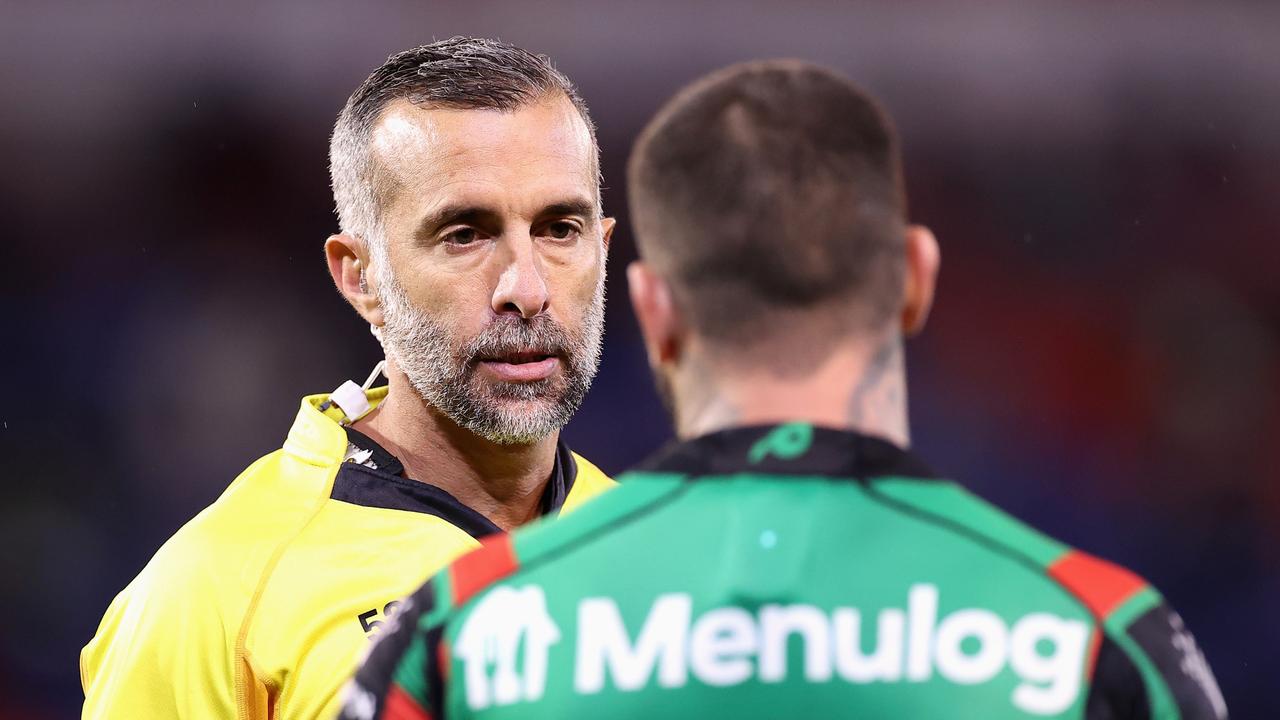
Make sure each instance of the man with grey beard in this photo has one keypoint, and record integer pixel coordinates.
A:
(472, 239)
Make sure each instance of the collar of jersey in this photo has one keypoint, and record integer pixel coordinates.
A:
(788, 449)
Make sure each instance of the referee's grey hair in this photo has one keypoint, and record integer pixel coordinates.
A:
(461, 73)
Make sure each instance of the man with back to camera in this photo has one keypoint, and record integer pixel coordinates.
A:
(466, 178)
(789, 557)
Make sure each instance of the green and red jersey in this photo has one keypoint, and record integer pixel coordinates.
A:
(776, 572)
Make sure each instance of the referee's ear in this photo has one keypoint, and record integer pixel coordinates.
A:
(349, 267)
(660, 322)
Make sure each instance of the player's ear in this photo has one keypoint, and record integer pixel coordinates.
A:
(349, 267)
(660, 323)
(923, 259)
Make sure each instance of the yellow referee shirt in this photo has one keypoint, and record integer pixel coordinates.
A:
(262, 604)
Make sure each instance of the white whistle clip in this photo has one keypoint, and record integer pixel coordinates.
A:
(351, 399)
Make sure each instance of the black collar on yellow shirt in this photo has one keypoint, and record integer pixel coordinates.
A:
(373, 477)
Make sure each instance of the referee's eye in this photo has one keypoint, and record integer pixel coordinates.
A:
(462, 236)
(562, 230)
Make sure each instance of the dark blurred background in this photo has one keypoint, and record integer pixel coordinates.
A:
(1104, 359)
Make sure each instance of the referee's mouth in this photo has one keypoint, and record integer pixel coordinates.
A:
(521, 366)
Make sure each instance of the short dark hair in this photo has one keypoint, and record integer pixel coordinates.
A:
(462, 73)
(771, 186)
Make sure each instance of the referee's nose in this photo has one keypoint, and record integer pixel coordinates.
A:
(521, 287)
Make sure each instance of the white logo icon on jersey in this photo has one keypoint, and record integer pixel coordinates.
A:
(503, 647)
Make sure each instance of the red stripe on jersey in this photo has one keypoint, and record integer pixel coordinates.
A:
(402, 706)
(1095, 645)
(1100, 585)
(494, 559)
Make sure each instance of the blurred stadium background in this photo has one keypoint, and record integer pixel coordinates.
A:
(1104, 359)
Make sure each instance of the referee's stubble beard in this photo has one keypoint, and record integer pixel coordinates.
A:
(444, 366)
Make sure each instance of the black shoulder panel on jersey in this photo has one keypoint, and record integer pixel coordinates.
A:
(1165, 639)
(1117, 691)
(366, 696)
